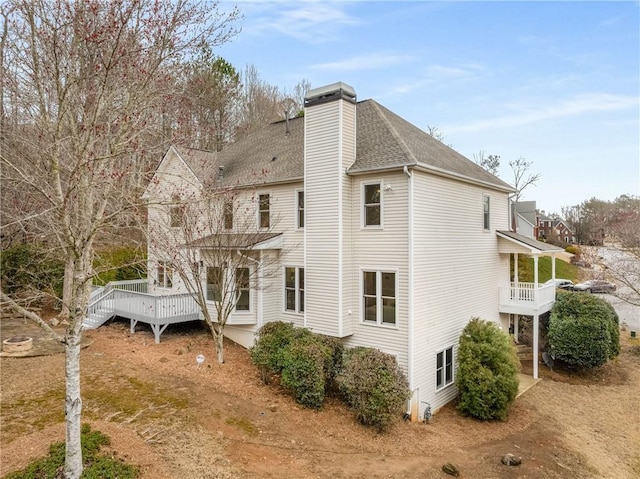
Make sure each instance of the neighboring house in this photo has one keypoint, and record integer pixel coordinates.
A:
(553, 227)
(376, 233)
(526, 218)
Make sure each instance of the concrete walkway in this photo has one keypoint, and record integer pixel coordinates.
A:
(526, 383)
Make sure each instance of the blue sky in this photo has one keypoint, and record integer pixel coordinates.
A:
(557, 83)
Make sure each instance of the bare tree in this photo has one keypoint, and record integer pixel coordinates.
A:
(490, 163)
(212, 241)
(522, 179)
(261, 103)
(85, 81)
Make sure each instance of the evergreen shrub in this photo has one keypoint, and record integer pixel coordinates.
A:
(487, 376)
(372, 383)
(583, 331)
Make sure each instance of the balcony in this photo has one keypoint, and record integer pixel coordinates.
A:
(527, 298)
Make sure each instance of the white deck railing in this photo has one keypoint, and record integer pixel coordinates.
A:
(527, 297)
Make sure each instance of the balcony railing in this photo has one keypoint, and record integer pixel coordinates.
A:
(527, 298)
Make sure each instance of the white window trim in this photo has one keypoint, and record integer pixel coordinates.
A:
(488, 227)
(297, 311)
(250, 289)
(297, 209)
(379, 323)
(166, 265)
(363, 224)
(453, 367)
(258, 210)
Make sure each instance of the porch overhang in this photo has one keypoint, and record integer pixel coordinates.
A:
(239, 241)
(510, 242)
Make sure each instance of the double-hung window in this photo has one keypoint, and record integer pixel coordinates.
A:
(300, 209)
(215, 280)
(165, 274)
(379, 297)
(243, 298)
(228, 214)
(176, 216)
(294, 289)
(263, 210)
(486, 209)
(372, 204)
(444, 368)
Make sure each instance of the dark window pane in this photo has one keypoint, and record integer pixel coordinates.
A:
(389, 311)
(372, 215)
(301, 301)
(370, 283)
(439, 360)
(370, 309)
(301, 278)
(290, 277)
(372, 194)
(439, 378)
(291, 300)
(389, 284)
(243, 301)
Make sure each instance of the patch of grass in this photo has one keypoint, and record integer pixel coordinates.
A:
(243, 424)
(563, 270)
(23, 415)
(96, 466)
(127, 396)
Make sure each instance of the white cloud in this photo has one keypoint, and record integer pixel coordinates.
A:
(526, 114)
(441, 74)
(308, 21)
(372, 61)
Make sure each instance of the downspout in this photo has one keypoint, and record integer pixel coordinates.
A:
(259, 285)
(415, 404)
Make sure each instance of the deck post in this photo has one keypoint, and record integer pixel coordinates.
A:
(536, 322)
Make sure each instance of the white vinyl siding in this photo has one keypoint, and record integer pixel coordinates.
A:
(457, 270)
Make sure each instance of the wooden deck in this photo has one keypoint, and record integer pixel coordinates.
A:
(129, 299)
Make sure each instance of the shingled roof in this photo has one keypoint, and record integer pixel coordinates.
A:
(384, 141)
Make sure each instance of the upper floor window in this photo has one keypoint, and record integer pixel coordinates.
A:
(379, 297)
(486, 209)
(294, 289)
(300, 209)
(165, 274)
(228, 214)
(243, 298)
(176, 216)
(372, 201)
(444, 368)
(214, 283)
(263, 210)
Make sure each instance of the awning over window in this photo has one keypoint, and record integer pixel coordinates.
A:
(235, 241)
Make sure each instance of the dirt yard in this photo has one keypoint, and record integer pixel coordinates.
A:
(180, 420)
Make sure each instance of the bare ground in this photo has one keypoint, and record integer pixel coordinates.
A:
(179, 420)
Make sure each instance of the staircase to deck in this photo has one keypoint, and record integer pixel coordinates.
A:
(524, 352)
(101, 302)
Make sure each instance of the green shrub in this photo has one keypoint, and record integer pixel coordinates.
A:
(583, 331)
(374, 386)
(31, 266)
(573, 249)
(96, 466)
(334, 365)
(271, 342)
(119, 264)
(306, 360)
(488, 367)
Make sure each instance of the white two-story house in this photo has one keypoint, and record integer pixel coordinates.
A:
(375, 233)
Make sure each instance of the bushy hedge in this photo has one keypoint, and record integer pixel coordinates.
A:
(268, 351)
(118, 264)
(573, 249)
(583, 331)
(488, 368)
(305, 364)
(31, 266)
(374, 386)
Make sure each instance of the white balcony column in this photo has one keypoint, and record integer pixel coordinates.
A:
(535, 345)
(535, 279)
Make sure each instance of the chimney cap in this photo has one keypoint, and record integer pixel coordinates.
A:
(335, 91)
